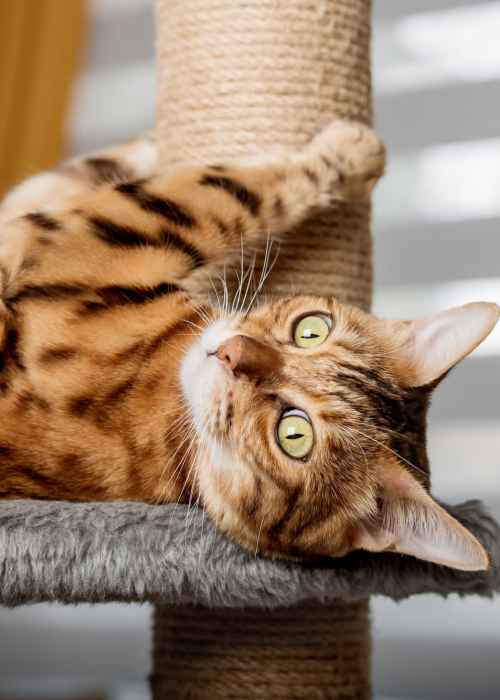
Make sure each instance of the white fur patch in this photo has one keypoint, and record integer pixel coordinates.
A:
(201, 372)
(143, 158)
(44, 192)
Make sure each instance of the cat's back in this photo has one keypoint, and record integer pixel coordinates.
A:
(90, 330)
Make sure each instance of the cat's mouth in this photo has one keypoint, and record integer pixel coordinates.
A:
(205, 384)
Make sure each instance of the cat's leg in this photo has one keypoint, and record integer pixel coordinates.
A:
(235, 205)
(28, 210)
(167, 227)
(133, 160)
(50, 191)
(198, 216)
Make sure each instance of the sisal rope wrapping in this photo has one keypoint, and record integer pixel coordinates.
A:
(236, 78)
(243, 77)
(308, 652)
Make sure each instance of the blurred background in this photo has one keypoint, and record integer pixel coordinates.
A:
(437, 244)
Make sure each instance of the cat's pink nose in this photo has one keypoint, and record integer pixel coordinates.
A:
(244, 355)
(231, 352)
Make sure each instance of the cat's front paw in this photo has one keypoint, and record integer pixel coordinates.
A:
(352, 159)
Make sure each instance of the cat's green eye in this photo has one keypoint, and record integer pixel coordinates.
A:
(312, 330)
(295, 433)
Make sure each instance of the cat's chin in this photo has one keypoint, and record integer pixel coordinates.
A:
(201, 372)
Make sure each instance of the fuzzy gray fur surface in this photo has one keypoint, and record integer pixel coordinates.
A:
(52, 551)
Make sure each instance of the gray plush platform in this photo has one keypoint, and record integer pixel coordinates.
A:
(132, 552)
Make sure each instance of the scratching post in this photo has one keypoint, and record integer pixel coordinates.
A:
(246, 76)
(235, 78)
(309, 651)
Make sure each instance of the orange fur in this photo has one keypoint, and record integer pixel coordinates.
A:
(112, 378)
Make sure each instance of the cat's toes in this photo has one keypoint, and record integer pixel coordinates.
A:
(355, 153)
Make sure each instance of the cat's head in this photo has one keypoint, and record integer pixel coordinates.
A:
(311, 419)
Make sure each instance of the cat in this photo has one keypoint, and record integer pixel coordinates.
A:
(297, 424)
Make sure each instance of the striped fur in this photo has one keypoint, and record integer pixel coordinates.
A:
(99, 265)
(362, 414)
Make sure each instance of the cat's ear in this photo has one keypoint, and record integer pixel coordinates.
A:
(409, 521)
(430, 346)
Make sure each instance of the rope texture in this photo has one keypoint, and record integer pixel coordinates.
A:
(238, 78)
(308, 652)
(247, 76)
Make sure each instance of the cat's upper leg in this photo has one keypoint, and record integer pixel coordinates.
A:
(46, 191)
(14, 241)
(136, 159)
(51, 191)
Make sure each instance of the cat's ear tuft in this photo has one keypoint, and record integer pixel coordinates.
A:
(409, 521)
(430, 346)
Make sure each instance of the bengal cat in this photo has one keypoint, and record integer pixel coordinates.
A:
(299, 425)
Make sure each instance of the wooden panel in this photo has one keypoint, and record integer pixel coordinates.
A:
(40, 50)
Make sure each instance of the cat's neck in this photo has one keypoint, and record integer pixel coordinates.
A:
(173, 476)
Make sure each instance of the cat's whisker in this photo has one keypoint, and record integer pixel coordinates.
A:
(267, 268)
(265, 262)
(217, 301)
(225, 291)
(195, 325)
(190, 434)
(178, 468)
(200, 555)
(183, 416)
(389, 449)
(222, 305)
(258, 536)
(198, 445)
(181, 494)
(193, 509)
(249, 278)
(189, 335)
(245, 271)
(240, 278)
(179, 430)
(191, 437)
(229, 292)
(357, 444)
(188, 514)
(208, 318)
(195, 469)
(237, 292)
(195, 466)
(252, 284)
(246, 280)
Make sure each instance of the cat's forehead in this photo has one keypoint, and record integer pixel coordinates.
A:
(353, 362)
(283, 311)
(327, 380)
